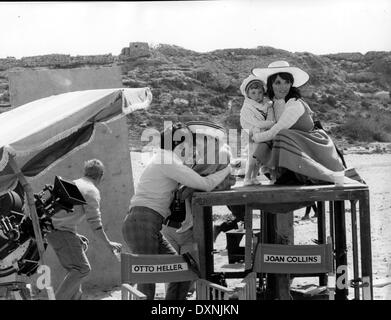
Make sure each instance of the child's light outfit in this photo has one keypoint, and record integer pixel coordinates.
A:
(253, 117)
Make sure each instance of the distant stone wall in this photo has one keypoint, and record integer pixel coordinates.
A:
(136, 50)
(56, 81)
(44, 62)
(56, 61)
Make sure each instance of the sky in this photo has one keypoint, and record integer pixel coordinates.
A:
(84, 28)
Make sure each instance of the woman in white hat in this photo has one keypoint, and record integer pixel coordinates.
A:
(253, 118)
(293, 150)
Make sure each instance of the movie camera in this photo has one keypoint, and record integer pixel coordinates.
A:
(18, 248)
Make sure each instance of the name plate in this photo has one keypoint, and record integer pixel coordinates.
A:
(302, 259)
(157, 268)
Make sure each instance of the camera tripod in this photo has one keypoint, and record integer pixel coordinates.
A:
(15, 287)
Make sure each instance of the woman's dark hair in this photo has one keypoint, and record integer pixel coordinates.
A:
(168, 139)
(293, 91)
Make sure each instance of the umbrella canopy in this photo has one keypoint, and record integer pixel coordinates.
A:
(40, 133)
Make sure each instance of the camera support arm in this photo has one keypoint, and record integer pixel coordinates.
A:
(31, 206)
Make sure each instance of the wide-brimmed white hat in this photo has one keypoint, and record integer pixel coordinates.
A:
(300, 77)
(208, 128)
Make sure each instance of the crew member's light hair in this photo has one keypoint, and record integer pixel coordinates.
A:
(93, 169)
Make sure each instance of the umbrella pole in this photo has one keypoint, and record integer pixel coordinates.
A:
(31, 206)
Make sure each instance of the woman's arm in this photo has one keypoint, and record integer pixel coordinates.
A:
(188, 177)
(294, 110)
(266, 124)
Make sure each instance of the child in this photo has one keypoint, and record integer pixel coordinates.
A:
(253, 118)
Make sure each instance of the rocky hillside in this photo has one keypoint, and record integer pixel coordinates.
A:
(349, 92)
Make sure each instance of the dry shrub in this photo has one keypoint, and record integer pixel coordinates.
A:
(375, 128)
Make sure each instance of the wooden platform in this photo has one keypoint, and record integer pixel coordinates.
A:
(276, 202)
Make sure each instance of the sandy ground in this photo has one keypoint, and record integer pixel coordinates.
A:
(376, 171)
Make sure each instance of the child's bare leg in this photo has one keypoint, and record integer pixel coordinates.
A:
(254, 173)
(250, 168)
(257, 166)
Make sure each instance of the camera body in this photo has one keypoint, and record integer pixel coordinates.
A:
(18, 248)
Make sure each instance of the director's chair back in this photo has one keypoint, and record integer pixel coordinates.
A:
(163, 268)
(291, 259)
(247, 288)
